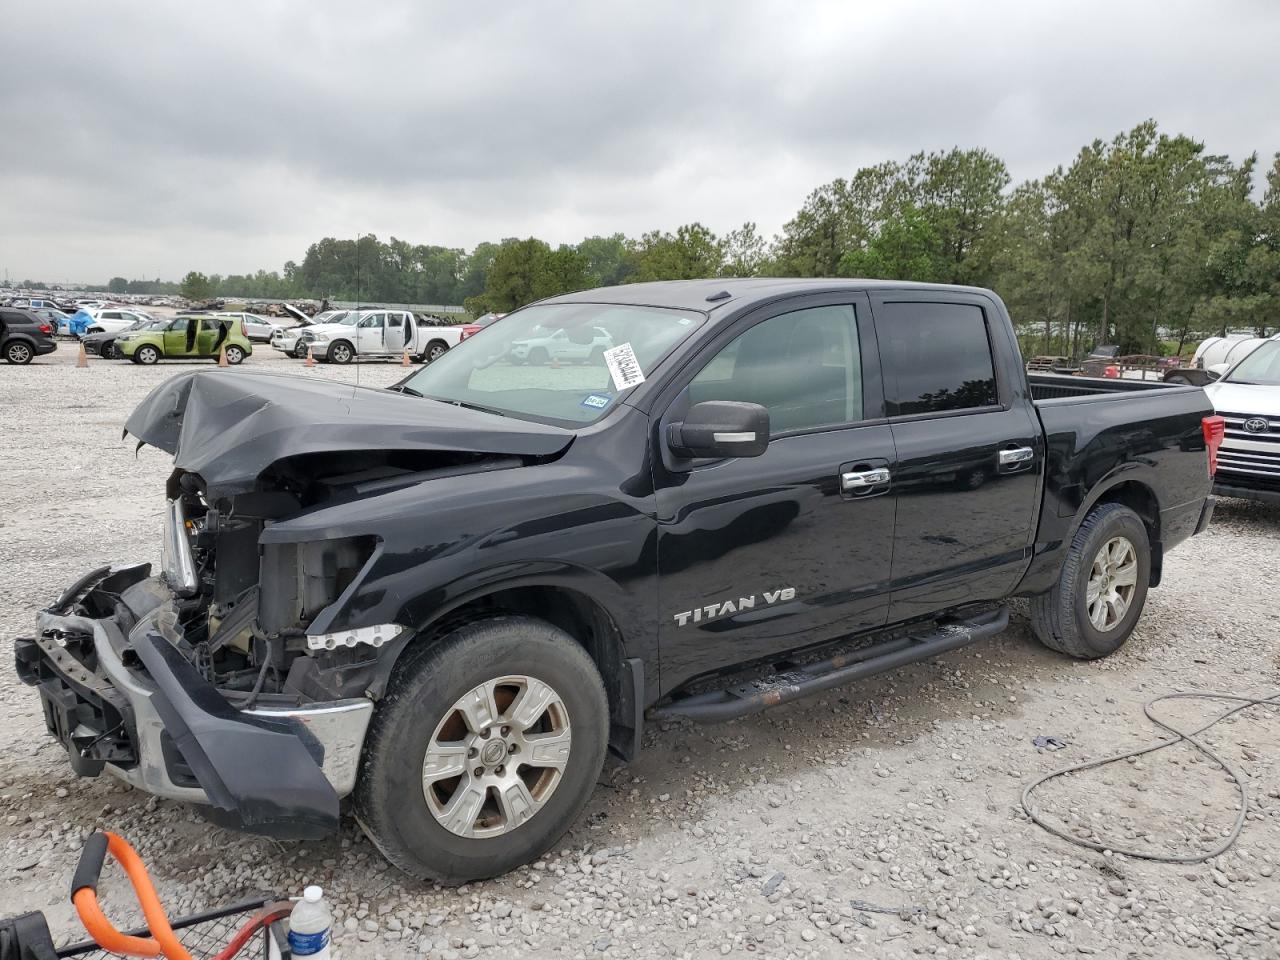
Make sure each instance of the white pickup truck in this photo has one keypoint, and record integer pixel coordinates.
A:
(377, 335)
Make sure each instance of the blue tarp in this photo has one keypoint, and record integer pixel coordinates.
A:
(77, 323)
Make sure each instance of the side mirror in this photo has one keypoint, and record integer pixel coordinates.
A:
(719, 429)
(1216, 370)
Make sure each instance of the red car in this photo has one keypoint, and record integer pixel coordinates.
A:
(471, 329)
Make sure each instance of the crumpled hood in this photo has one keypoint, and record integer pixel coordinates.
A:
(229, 427)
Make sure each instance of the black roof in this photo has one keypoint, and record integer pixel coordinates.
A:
(701, 295)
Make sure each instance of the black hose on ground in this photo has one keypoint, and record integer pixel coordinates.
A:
(1179, 736)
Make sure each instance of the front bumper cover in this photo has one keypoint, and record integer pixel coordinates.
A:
(278, 771)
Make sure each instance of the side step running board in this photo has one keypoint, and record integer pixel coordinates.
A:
(757, 695)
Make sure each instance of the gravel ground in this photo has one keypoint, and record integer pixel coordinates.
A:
(881, 820)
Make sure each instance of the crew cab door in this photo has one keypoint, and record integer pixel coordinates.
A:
(970, 451)
(762, 555)
(397, 330)
(369, 333)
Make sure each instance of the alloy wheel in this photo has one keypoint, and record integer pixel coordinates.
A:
(496, 757)
(1113, 578)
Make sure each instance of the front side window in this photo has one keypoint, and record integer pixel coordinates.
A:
(373, 322)
(804, 366)
(936, 356)
(566, 363)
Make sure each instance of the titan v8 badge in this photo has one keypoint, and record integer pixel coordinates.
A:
(713, 611)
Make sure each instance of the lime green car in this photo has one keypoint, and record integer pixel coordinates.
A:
(186, 336)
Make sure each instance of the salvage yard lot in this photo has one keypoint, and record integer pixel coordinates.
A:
(880, 819)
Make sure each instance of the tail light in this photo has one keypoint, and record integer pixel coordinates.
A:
(1215, 428)
(46, 328)
(1112, 371)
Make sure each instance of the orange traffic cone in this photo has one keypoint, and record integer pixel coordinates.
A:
(222, 356)
(311, 357)
(83, 359)
(404, 357)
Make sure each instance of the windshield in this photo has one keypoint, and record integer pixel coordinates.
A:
(560, 362)
(1261, 366)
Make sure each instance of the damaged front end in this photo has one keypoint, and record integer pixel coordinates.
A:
(244, 674)
(124, 689)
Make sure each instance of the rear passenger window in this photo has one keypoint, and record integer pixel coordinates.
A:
(936, 356)
(805, 367)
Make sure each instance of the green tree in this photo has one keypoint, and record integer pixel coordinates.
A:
(690, 253)
(744, 252)
(908, 247)
(118, 285)
(609, 260)
(196, 286)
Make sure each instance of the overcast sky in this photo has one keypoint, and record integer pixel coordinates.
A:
(145, 139)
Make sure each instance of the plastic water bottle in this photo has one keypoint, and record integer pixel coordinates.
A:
(309, 925)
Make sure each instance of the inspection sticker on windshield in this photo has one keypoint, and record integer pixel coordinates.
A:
(597, 401)
(623, 366)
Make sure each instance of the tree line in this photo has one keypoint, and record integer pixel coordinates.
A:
(1146, 240)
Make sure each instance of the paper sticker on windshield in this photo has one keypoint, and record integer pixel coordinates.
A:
(597, 401)
(623, 366)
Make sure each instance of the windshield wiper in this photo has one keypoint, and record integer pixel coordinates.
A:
(469, 406)
(401, 388)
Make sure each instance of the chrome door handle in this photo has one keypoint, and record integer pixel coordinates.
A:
(1008, 458)
(864, 479)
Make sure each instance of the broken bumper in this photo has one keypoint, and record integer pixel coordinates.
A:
(134, 706)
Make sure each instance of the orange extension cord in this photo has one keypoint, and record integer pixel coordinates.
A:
(163, 941)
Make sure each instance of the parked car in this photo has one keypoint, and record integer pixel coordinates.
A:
(257, 328)
(377, 335)
(55, 317)
(479, 323)
(285, 338)
(115, 319)
(1247, 397)
(24, 336)
(765, 489)
(103, 343)
(186, 337)
(561, 346)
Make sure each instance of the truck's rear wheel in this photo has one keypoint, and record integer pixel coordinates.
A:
(1099, 596)
(484, 751)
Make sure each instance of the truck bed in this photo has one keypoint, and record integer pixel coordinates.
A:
(1056, 386)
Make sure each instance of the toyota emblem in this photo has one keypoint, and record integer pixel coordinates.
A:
(1257, 425)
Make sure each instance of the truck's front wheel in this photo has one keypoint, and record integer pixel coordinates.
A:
(484, 751)
(1099, 596)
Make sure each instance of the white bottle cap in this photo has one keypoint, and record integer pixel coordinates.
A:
(312, 894)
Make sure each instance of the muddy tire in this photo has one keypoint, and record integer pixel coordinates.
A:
(146, 355)
(340, 352)
(484, 751)
(1099, 596)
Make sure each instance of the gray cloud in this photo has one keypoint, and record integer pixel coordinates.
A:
(144, 139)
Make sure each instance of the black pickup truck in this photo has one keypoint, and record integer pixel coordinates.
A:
(449, 598)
